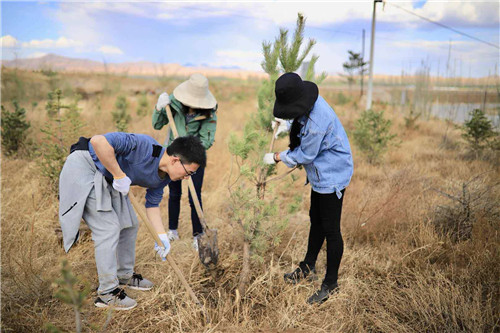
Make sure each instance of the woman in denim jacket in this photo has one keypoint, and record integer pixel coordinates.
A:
(319, 143)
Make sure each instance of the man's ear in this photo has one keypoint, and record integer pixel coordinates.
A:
(173, 159)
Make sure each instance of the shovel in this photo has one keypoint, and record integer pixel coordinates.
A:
(207, 241)
(170, 260)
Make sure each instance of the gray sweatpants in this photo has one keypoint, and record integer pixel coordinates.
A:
(109, 214)
(114, 245)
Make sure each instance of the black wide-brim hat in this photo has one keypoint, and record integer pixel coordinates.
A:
(294, 97)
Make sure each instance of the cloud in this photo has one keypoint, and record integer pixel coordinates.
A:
(37, 55)
(9, 42)
(241, 58)
(60, 43)
(460, 14)
(108, 49)
(79, 21)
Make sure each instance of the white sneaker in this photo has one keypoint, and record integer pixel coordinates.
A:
(172, 235)
(195, 242)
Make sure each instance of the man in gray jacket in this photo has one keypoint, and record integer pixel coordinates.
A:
(94, 185)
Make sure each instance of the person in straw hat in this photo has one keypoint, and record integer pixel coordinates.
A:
(194, 111)
(318, 142)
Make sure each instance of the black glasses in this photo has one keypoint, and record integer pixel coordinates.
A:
(188, 173)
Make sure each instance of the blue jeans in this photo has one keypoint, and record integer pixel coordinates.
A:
(174, 202)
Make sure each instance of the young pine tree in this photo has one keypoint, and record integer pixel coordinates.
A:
(258, 218)
(355, 66)
(478, 131)
(61, 130)
(121, 117)
(143, 105)
(14, 129)
(69, 291)
(372, 134)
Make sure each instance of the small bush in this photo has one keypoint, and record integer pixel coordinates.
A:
(14, 129)
(143, 105)
(342, 99)
(69, 291)
(478, 131)
(411, 119)
(372, 134)
(120, 115)
(477, 199)
(60, 132)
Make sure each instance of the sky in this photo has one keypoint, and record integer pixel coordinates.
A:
(230, 34)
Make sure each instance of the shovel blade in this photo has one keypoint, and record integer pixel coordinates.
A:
(207, 248)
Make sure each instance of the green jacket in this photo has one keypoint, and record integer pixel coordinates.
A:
(199, 126)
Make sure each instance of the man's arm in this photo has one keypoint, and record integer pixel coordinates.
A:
(106, 154)
(154, 216)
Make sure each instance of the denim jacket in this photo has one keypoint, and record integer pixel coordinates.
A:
(324, 150)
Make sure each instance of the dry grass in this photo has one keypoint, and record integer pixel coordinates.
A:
(398, 273)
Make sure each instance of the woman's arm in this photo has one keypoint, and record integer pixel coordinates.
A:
(309, 148)
(207, 130)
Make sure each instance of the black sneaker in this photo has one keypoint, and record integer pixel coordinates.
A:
(322, 295)
(299, 274)
(117, 299)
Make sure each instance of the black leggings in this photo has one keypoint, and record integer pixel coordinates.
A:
(174, 202)
(325, 213)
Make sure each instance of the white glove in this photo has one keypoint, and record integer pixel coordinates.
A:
(122, 185)
(269, 158)
(282, 126)
(163, 101)
(164, 249)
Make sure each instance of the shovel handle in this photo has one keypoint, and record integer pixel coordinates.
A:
(196, 201)
(157, 239)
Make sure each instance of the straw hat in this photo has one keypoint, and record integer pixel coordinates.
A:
(194, 93)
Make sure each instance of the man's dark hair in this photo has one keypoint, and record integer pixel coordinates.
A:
(189, 149)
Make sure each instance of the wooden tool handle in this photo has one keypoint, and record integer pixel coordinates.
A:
(196, 200)
(139, 209)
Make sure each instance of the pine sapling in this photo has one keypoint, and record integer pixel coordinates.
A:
(14, 129)
(257, 216)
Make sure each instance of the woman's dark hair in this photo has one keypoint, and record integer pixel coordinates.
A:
(295, 130)
(203, 112)
(189, 149)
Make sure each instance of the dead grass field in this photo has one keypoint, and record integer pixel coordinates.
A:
(398, 273)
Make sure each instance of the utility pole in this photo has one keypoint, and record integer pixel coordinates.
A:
(362, 59)
(372, 47)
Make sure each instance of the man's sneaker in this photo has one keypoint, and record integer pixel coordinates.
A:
(299, 274)
(172, 235)
(322, 295)
(117, 299)
(137, 282)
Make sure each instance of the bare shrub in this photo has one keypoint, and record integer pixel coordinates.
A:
(476, 199)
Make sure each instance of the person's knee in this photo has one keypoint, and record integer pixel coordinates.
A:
(334, 235)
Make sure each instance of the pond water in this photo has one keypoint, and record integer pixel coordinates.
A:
(459, 112)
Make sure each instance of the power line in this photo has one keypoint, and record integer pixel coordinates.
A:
(442, 25)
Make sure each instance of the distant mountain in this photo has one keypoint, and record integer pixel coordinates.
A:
(65, 64)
